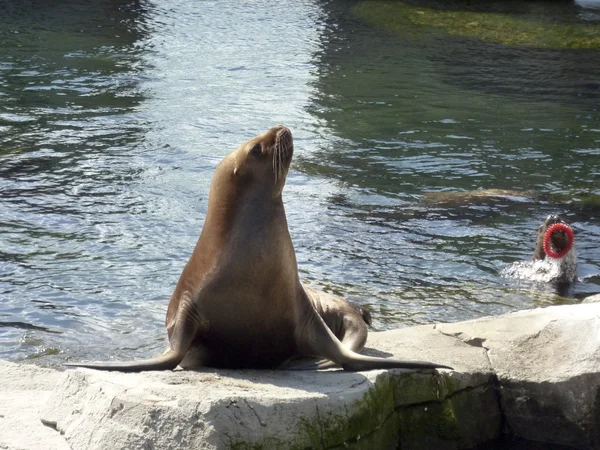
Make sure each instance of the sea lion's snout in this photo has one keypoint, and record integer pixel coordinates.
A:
(284, 141)
(555, 238)
(553, 219)
(283, 151)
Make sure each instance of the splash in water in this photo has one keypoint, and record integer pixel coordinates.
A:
(554, 257)
(542, 270)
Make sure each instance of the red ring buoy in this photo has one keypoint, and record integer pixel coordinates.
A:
(570, 236)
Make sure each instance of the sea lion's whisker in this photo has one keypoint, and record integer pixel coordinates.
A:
(275, 163)
(276, 156)
(281, 162)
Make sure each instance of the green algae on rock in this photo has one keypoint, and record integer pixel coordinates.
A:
(492, 27)
(411, 408)
(359, 422)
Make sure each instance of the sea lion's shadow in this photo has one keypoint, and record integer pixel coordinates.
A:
(255, 381)
(374, 352)
(327, 382)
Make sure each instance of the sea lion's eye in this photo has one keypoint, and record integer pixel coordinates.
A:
(256, 150)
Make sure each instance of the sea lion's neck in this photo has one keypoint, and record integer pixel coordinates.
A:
(248, 235)
(248, 221)
(239, 215)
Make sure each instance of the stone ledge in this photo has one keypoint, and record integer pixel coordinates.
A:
(24, 389)
(533, 374)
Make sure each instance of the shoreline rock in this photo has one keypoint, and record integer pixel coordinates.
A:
(532, 374)
(24, 390)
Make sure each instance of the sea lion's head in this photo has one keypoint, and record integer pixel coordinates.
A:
(263, 161)
(555, 238)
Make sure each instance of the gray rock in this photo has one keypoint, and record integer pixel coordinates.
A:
(548, 366)
(24, 389)
(592, 299)
(282, 409)
(533, 374)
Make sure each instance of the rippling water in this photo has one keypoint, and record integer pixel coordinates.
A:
(113, 116)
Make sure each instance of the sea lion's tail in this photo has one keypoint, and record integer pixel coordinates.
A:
(167, 361)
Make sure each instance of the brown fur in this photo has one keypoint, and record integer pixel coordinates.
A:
(239, 302)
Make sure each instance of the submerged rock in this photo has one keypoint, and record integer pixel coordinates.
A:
(486, 26)
(475, 197)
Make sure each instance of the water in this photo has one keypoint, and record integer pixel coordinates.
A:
(545, 270)
(113, 116)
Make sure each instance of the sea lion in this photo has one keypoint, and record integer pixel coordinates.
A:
(347, 321)
(554, 258)
(239, 302)
(556, 240)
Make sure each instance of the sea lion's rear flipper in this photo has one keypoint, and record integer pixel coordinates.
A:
(314, 338)
(347, 321)
(184, 332)
(364, 312)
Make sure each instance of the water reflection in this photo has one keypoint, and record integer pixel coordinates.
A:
(419, 110)
(406, 115)
(114, 115)
(69, 84)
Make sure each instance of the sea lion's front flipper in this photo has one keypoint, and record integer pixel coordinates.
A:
(184, 332)
(314, 338)
(167, 361)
